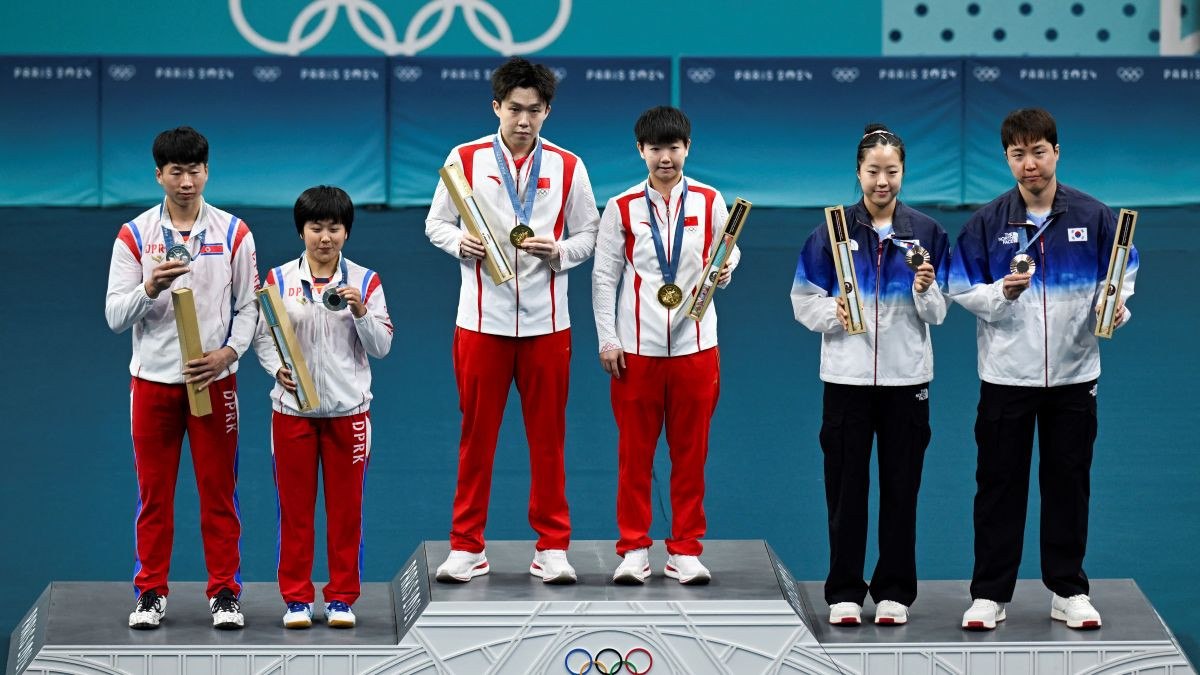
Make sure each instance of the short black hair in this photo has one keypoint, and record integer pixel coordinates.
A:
(181, 145)
(662, 125)
(878, 134)
(1028, 125)
(519, 72)
(323, 202)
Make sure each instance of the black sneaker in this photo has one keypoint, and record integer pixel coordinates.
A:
(149, 611)
(226, 610)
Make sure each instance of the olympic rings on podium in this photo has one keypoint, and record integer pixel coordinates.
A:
(604, 668)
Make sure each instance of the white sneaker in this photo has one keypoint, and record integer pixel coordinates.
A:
(890, 613)
(339, 615)
(983, 614)
(226, 610)
(462, 566)
(552, 566)
(299, 615)
(845, 614)
(634, 569)
(149, 611)
(1076, 610)
(687, 569)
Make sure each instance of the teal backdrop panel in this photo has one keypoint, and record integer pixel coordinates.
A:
(440, 27)
(275, 126)
(784, 132)
(1126, 126)
(49, 131)
(438, 103)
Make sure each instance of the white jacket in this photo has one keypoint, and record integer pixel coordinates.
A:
(223, 279)
(335, 344)
(535, 302)
(625, 253)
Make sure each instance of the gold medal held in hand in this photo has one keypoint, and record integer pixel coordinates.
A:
(670, 296)
(519, 234)
(1022, 263)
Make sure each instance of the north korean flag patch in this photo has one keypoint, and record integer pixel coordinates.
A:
(212, 249)
(1077, 234)
(691, 221)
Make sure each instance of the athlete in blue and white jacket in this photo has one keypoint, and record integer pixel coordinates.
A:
(876, 383)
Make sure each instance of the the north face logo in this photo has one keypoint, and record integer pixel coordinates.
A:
(1008, 238)
(923, 395)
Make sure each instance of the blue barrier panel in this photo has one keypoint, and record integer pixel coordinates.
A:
(1126, 126)
(275, 125)
(438, 103)
(783, 131)
(49, 134)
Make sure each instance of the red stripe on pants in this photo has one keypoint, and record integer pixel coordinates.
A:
(485, 367)
(683, 390)
(342, 448)
(159, 417)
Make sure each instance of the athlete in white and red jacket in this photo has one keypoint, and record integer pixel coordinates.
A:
(336, 434)
(223, 277)
(519, 330)
(657, 235)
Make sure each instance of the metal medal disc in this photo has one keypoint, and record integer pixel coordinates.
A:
(916, 256)
(670, 296)
(179, 252)
(1022, 264)
(332, 300)
(519, 234)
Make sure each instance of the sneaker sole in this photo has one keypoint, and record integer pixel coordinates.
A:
(848, 621)
(298, 624)
(890, 622)
(144, 625)
(228, 625)
(477, 571)
(983, 625)
(1077, 625)
(632, 578)
(698, 580)
(341, 624)
(560, 580)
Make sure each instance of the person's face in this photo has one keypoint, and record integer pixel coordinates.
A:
(1033, 164)
(521, 115)
(665, 161)
(183, 183)
(880, 175)
(323, 239)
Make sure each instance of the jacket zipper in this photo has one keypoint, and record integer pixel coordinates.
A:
(1045, 316)
(875, 342)
(667, 224)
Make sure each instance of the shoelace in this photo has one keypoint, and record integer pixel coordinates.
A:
(1078, 602)
(338, 606)
(297, 607)
(149, 601)
(225, 602)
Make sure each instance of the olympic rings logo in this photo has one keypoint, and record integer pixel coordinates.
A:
(987, 73)
(267, 73)
(560, 74)
(122, 73)
(845, 75)
(386, 39)
(408, 73)
(701, 75)
(1127, 74)
(582, 665)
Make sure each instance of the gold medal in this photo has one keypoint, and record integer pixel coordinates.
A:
(519, 234)
(1022, 263)
(670, 296)
(916, 256)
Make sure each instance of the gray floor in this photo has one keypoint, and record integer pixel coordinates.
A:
(741, 571)
(96, 613)
(936, 615)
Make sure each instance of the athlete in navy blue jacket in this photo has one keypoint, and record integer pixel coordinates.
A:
(1030, 266)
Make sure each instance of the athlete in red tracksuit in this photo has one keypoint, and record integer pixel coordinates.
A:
(519, 330)
(665, 365)
(223, 277)
(335, 435)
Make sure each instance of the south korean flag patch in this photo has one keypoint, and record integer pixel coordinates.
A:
(1077, 234)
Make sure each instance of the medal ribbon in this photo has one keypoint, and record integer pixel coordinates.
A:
(1024, 242)
(668, 267)
(168, 237)
(523, 209)
(307, 286)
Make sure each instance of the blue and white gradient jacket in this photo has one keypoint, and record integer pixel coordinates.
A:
(1045, 337)
(895, 350)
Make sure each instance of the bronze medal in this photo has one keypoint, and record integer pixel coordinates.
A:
(670, 296)
(1022, 263)
(916, 256)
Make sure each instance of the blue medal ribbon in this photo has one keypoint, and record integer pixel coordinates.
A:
(307, 285)
(523, 208)
(169, 238)
(668, 267)
(1024, 241)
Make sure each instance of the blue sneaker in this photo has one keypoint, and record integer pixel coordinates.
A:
(339, 615)
(299, 615)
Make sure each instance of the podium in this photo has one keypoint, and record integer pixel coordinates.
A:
(753, 618)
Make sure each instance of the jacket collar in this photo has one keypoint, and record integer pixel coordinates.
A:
(901, 218)
(1018, 212)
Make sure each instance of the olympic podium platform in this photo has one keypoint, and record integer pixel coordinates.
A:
(753, 618)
